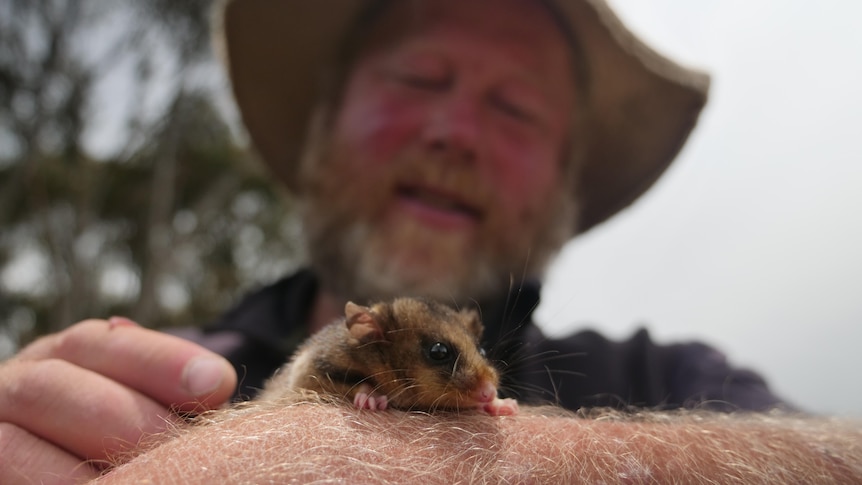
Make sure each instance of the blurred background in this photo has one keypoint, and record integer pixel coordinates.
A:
(124, 187)
(752, 241)
(127, 188)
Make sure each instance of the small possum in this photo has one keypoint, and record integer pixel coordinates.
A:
(410, 354)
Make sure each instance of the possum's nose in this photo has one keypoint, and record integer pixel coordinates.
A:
(485, 392)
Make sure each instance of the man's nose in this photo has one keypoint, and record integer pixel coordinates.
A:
(454, 125)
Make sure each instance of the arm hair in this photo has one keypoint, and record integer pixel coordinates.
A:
(314, 442)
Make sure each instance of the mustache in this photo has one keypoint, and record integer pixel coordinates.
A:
(341, 190)
(441, 179)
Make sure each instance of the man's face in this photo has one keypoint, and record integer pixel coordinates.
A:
(442, 171)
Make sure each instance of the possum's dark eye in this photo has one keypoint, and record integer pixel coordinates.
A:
(482, 352)
(439, 352)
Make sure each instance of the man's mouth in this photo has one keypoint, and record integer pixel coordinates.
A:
(444, 203)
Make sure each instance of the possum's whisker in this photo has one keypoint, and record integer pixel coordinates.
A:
(520, 361)
(556, 387)
(436, 403)
(524, 363)
(455, 365)
(404, 387)
(510, 307)
(537, 394)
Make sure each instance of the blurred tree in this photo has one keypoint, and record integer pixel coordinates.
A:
(122, 187)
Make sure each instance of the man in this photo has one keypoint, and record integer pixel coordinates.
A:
(451, 146)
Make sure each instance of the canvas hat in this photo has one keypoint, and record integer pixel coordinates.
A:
(642, 105)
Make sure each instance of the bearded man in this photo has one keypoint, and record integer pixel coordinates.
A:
(450, 152)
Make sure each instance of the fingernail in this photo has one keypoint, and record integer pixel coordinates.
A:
(203, 375)
(121, 322)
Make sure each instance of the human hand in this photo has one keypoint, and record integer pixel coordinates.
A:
(71, 401)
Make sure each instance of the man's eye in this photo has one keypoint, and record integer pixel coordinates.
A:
(423, 82)
(512, 109)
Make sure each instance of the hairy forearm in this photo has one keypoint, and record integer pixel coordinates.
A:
(267, 443)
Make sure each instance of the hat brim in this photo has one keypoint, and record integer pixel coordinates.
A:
(642, 105)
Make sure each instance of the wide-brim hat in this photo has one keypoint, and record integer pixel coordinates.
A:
(642, 105)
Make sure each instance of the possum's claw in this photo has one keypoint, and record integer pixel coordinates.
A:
(501, 407)
(366, 399)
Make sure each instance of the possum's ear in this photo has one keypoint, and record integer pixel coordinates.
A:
(474, 323)
(362, 323)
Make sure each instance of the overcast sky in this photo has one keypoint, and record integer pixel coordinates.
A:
(752, 240)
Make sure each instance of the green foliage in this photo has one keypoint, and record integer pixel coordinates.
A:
(170, 222)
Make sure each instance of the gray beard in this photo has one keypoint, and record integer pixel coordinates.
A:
(357, 268)
(357, 262)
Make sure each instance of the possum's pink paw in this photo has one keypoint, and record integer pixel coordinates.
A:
(366, 399)
(501, 407)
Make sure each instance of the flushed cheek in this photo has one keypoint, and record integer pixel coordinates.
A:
(378, 127)
(524, 182)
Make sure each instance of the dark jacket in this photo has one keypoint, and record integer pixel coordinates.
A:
(584, 369)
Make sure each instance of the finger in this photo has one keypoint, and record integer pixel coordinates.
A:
(28, 459)
(78, 410)
(169, 369)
